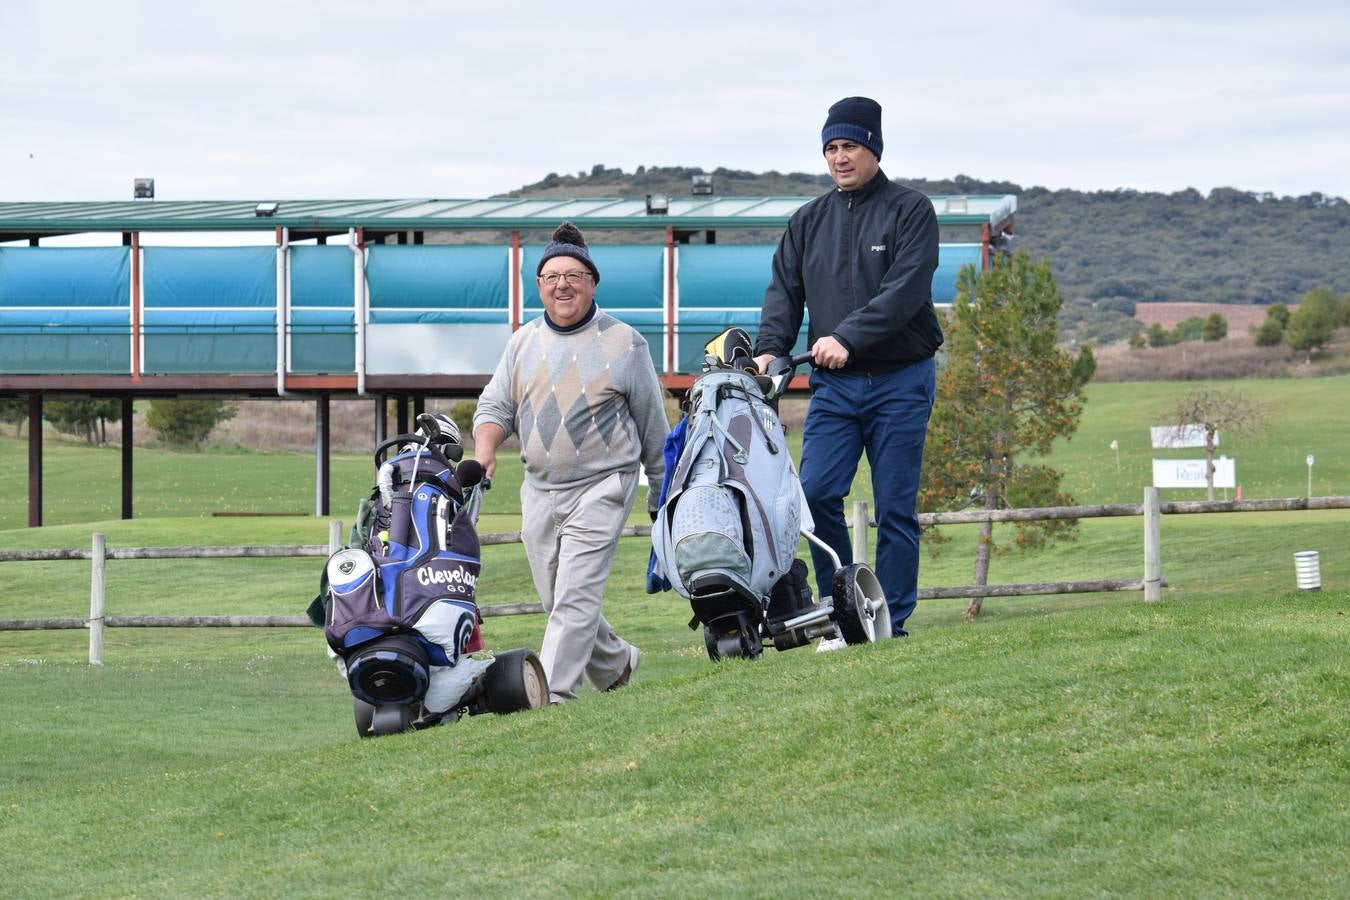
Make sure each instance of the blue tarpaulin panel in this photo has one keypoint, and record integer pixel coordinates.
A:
(721, 286)
(65, 310)
(631, 276)
(210, 310)
(441, 278)
(951, 257)
(323, 311)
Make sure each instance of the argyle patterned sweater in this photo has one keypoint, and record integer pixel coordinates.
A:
(584, 402)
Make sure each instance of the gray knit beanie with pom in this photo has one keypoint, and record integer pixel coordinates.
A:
(567, 241)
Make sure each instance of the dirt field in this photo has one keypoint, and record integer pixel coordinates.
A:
(1168, 315)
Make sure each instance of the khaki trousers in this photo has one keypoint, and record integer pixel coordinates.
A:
(570, 538)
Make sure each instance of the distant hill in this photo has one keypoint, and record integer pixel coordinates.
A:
(1109, 249)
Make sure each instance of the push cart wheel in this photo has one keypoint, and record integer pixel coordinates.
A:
(365, 714)
(736, 641)
(515, 681)
(860, 610)
(710, 644)
(374, 721)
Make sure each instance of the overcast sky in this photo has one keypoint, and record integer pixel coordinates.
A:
(251, 100)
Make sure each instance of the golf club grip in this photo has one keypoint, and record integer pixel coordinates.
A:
(801, 358)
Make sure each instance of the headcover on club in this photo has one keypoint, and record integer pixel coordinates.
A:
(441, 431)
(732, 349)
(468, 473)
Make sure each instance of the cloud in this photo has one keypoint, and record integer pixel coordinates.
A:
(424, 99)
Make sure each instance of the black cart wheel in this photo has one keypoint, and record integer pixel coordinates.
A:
(732, 639)
(375, 721)
(365, 714)
(860, 610)
(710, 644)
(515, 681)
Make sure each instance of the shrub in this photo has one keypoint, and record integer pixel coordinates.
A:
(1269, 333)
(16, 412)
(85, 418)
(1215, 329)
(186, 423)
(1159, 336)
(462, 413)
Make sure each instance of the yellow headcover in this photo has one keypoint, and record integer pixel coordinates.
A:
(732, 348)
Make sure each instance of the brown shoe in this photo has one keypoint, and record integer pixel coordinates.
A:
(628, 670)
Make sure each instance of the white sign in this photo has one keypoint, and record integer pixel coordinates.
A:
(1169, 436)
(1190, 473)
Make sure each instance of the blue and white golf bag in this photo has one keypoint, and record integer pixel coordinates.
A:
(401, 616)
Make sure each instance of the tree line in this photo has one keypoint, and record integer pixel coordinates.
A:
(1110, 249)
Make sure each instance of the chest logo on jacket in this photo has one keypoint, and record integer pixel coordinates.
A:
(878, 248)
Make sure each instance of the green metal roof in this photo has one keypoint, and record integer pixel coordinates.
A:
(25, 220)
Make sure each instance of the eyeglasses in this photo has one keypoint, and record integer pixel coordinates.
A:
(572, 278)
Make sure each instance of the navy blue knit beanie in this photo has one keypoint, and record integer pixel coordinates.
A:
(567, 241)
(854, 119)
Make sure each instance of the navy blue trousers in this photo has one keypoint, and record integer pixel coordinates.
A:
(885, 416)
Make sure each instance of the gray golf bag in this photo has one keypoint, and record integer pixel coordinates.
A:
(732, 513)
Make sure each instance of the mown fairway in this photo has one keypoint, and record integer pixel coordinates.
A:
(1311, 415)
(1061, 746)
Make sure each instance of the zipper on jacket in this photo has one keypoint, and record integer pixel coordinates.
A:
(850, 254)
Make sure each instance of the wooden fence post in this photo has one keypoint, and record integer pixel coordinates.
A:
(860, 524)
(334, 536)
(97, 559)
(1152, 546)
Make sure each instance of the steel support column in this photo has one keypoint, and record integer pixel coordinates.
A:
(321, 455)
(127, 444)
(34, 460)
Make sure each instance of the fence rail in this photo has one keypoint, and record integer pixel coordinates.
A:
(1151, 584)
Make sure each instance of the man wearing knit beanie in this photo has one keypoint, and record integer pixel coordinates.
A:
(578, 388)
(861, 259)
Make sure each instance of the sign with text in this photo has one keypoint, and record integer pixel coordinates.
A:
(1190, 473)
(1169, 436)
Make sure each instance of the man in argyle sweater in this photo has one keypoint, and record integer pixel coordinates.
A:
(579, 389)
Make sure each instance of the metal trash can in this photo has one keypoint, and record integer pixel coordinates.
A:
(1308, 568)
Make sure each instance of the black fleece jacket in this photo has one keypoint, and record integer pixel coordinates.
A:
(862, 263)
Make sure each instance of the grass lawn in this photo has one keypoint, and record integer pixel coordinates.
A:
(1309, 415)
(1061, 746)
(1193, 747)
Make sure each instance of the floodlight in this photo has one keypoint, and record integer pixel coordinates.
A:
(266, 209)
(702, 185)
(658, 204)
(143, 189)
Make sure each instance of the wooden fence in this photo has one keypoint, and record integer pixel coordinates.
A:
(1152, 582)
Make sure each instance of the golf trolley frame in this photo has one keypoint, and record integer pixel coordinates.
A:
(856, 611)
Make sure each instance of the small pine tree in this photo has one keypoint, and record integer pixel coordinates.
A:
(184, 423)
(1005, 389)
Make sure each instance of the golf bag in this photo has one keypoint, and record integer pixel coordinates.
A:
(400, 612)
(731, 511)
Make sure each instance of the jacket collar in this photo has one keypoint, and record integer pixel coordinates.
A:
(867, 190)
